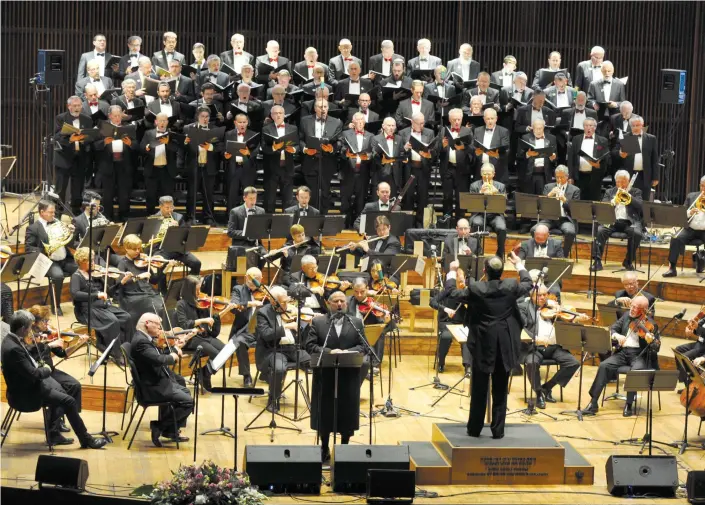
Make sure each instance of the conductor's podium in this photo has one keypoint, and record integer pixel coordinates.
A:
(527, 455)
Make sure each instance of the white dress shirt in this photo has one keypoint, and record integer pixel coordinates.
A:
(98, 83)
(238, 61)
(545, 331)
(280, 132)
(240, 138)
(607, 91)
(507, 80)
(441, 90)
(540, 143)
(487, 141)
(620, 212)
(588, 147)
(536, 114)
(578, 119)
(465, 69)
(354, 88)
(383, 206)
(698, 222)
(77, 124)
(597, 73)
(561, 99)
(386, 67)
(451, 151)
(415, 108)
(288, 338)
(339, 325)
(160, 152)
(360, 137)
(540, 250)
(423, 63)
(166, 108)
(59, 254)
(639, 158)
(117, 143)
(632, 340)
(101, 61)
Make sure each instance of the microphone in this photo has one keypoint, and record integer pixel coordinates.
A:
(337, 315)
(544, 272)
(196, 356)
(681, 314)
(254, 281)
(433, 250)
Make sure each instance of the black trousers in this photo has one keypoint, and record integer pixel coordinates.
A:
(181, 398)
(590, 184)
(121, 181)
(159, 183)
(678, 243)
(496, 223)
(200, 179)
(62, 402)
(239, 178)
(417, 194)
(444, 347)
(478, 398)
(453, 183)
(691, 350)
(244, 342)
(567, 366)
(567, 228)
(533, 184)
(353, 192)
(274, 371)
(279, 177)
(633, 231)
(56, 274)
(384, 174)
(627, 356)
(73, 388)
(64, 176)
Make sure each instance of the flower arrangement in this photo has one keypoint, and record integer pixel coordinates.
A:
(206, 484)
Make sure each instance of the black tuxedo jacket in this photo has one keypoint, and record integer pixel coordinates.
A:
(156, 107)
(552, 95)
(623, 293)
(135, 76)
(236, 222)
(464, 158)
(506, 95)
(332, 130)
(583, 75)
(415, 63)
(455, 66)
(386, 169)
(185, 90)
(125, 66)
(634, 209)
(596, 93)
(404, 111)
(451, 244)
(349, 164)
(255, 112)
(152, 366)
(389, 245)
(500, 138)
(375, 62)
(431, 89)
(221, 79)
(290, 88)
(651, 171)
(405, 82)
(104, 154)
(528, 248)
(171, 150)
(296, 211)
(369, 207)
(227, 57)
(343, 87)
(212, 157)
(80, 87)
(241, 295)
(85, 58)
(22, 378)
(122, 102)
(270, 156)
(497, 77)
(337, 65)
(103, 106)
(159, 59)
(621, 326)
(568, 116)
(371, 116)
(267, 105)
(368, 319)
(571, 193)
(548, 141)
(523, 118)
(269, 332)
(492, 96)
(302, 68)
(311, 88)
(617, 123)
(427, 137)
(264, 58)
(601, 147)
(67, 156)
(248, 162)
(535, 83)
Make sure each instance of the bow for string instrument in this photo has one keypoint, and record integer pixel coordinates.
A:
(397, 201)
(561, 311)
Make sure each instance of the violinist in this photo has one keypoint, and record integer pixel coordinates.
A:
(370, 311)
(637, 339)
(159, 382)
(298, 244)
(108, 320)
(379, 282)
(320, 284)
(247, 295)
(136, 294)
(451, 310)
(623, 297)
(694, 351)
(91, 205)
(273, 333)
(383, 243)
(542, 329)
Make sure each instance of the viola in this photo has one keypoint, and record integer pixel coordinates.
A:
(51, 335)
(460, 279)
(217, 302)
(168, 338)
(369, 304)
(112, 272)
(553, 310)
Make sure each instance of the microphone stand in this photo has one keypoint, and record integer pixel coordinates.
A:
(196, 362)
(320, 389)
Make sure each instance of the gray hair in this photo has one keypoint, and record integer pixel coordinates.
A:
(114, 108)
(162, 115)
(542, 227)
(359, 281)
(277, 292)
(387, 43)
(538, 120)
(487, 166)
(358, 115)
(143, 59)
(702, 179)
(629, 275)
(521, 75)
(597, 49)
(581, 94)
(621, 173)
(626, 104)
(90, 87)
(308, 260)
(71, 99)
(211, 58)
(128, 82)
(590, 120)
(634, 119)
(418, 116)
(562, 169)
(475, 98)
(243, 86)
(141, 323)
(166, 198)
(389, 120)
(397, 62)
(455, 112)
(21, 320)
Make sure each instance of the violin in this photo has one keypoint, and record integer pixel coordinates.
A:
(694, 322)
(643, 327)
(111, 272)
(292, 313)
(169, 338)
(143, 261)
(460, 279)
(218, 303)
(383, 286)
(331, 282)
(260, 295)
(377, 309)
(553, 310)
(52, 334)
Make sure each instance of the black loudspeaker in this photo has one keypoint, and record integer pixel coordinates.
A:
(641, 475)
(350, 463)
(50, 67)
(672, 86)
(70, 473)
(387, 485)
(695, 485)
(284, 468)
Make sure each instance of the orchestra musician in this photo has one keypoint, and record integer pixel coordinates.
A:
(456, 162)
(385, 243)
(370, 311)
(538, 316)
(463, 244)
(335, 333)
(695, 351)
(91, 205)
(159, 382)
(488, 186)
(565, 192)
(312, 279)
(250, 297)
(638, 341)
(540, 245)
(695, 230)
(169, 217)
(238, 217)
(302, 207)
(107, 320)
(451, 310)
(623, 297)
(298, 245)
(30, 384)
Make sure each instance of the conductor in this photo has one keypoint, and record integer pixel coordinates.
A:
(494, 338)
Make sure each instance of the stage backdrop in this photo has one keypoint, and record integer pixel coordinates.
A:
(640, 38)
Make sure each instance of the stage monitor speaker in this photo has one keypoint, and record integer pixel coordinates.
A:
(50, 67)
(350, 464)
(68, 473)
(284, 468)
(673, 86)
(641, 475)
(695, 485)
(391, 486)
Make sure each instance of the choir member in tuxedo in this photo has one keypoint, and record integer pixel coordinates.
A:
(695, 230)
(382, 204)
(494, 137)
(159, 153)
(276, 352)
(145, 70)
(353, 85)
(560, 94)
(387, 170)
(494, 339)
(464, 65)
(244, 295)
(339, 64)
(516, 91)
(108, 320)
(565, 192)
(128, 62)
(62, 263)
(355, 301)
(537, 109)
(213, 76)
(543, 331)
(396, 79)
(415, 104)
(318, 81)
(99, 53)
(619, 123)
(363, 108)
(463, 243)
(382, 63)
(646, 163)
(278, 99)
(241, 167)
(30, 384)
(335, 333)
(635, 351)
(164, 57)
(320, 167)
(628, 219)
(257, 90)
(92, 103)
(589, 70)
(573, 118)
(302, 207)
(202, 162)
(319, 94)
(388, 244)
(418, 164)
(355, 168)
(283, 80)
(238, 217)
(159, 383)
(116, 160)
(588, 174)
(451, 310)
(456, 161)
(166, 211)
(199, 63)
(129, 100)
(534, 168)
(487, 95)
(505, 77)
(185, 88)
(272, 58)
(494, 222)
(237, 56)
(100, 82)
(554, 64)
(440, 88)
(608, 90)
(425, 60)
(209, 100)
(72, 159)
(306, 67)
(278, 159)
(164, 104)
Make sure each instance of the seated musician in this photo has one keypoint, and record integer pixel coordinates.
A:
(695, 204)
(632, 339)
(565, 192)
(247, 295)
(6, 298)
(695, 351)
(541, 245)
(42, 351)
(464, 244)
(238, 217)
(207, 321)
(276, 347)
(159, 382)
(345, 333)
(136, 292)
(494, 222)
(109, 321)
(319, 284)
(49, 236)
(383, 243)
(541, 328)
(91, 205)
(381, 282)
(623, 297)
(382, 204)
(171, 218)
(362, 306)
(628, 214)
(298, 245)
(451, 310)
(302, 207)
(30, 384)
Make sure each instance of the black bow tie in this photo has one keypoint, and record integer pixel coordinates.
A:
(165, 103)
(100, 54)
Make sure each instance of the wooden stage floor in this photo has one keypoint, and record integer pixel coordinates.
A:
(116, 471)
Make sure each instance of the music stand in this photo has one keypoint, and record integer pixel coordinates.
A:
(537, 207)
(608, 313)
(103, 360)
(590, 339)
(103, 236)
(326, 262)
(691, 376)
(476, 203)
(236, 393)
(556, 268)
(16, 267)
(213, 366)
(145, 228)
(460, 334)
(466, 261)
(322, 226)
(650, 381)
(665, 215)
(266, 227)
(183, 239)
(400, 222)
(173, 294)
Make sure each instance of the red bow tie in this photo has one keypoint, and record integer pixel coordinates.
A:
(347, 59)
(93, 104)
(455, 130)
(238, 53)
(310, 66)
(483, 92)
(272, 59)
(416, 102)
(281, 126)
(390, 137)
(387, 59)
(359, 132)
(588, 137)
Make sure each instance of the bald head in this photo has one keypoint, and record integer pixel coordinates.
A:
(541, 234)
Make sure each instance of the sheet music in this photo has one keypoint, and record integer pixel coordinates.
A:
(223, 355)
(363, 222)
(420, 266)
(364, 262)
(41, 266)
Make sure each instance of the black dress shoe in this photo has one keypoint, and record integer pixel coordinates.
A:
(628, 412)
(247, 381)
(498, 436)
(441, 369)
(548, 395)
(57, 311)
(156, 432)
(628, 265)
(205, 379)
(62, 427)
(273, 406)
(591, 408)
(59, 439)
(596, 266)
(540, 400)
(175, 438)
(671, 272)
(89, 442)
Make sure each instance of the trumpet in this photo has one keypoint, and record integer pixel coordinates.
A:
(557, 193)
(487, 186)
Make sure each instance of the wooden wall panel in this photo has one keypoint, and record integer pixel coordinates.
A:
(640, 38)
